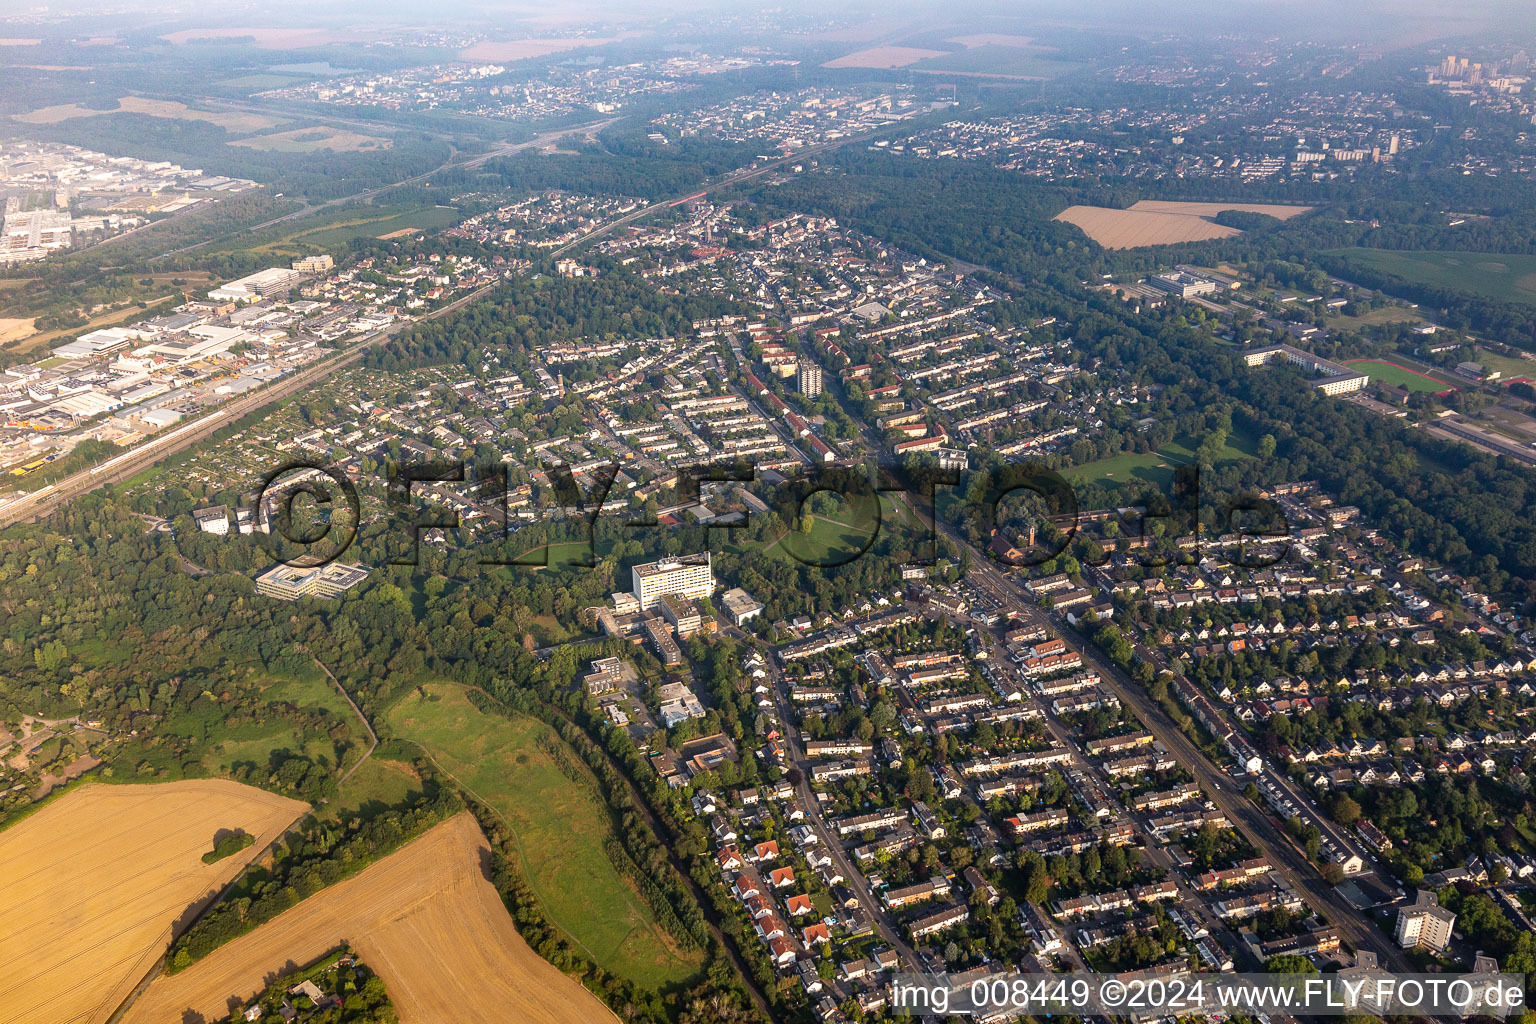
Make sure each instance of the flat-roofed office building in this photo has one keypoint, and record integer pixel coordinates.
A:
(688, 576)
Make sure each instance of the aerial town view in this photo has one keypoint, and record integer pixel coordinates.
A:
(719, 513)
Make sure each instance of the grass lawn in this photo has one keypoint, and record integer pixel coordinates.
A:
(256, 742)
(1502, 276)
(337, 228)
(427, 218)
(1155, 468)
(560, 829)
(1398, 376)
(829, 543)
(1507, 365)
(377, 784)
(1376, 317)
(836, 540)
(562, 555)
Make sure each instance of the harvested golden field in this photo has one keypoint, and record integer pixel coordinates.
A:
(230, 121)
(425, 918)
(991, 39)
(94, 881)
(522, 49)
(883, 57)
(15, 328)
(1212, 209)
(1127, 229)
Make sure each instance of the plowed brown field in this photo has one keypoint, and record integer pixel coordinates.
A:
(91, 885)
(425, 918)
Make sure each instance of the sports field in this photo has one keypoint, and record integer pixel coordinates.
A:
(561, 829)
(425, 918)
(1500, 276)
(1399, 376)
(91, 885)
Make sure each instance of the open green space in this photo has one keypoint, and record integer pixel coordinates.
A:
(329, 231)
(1155, 468)
(829, 542)
(255, 742)
(424, 218)
(1509, 366)
(378, 783)
(563, 555)
(1502, 276)
(1397, 376)
(256, 83)
(561, 828)
(1376, 318)
(835, 539)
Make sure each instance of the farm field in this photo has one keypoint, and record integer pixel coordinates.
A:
(883, 57)
(1129, 229)
(308, 140)
(992, 60)
(258, 81)
(522, 49)
(992, 39)
(425, 918)
(1212, 209)
(1500, 276)
(230, 121)
(16, 328)
(561, 829)
(1398, 376)
(95, 880)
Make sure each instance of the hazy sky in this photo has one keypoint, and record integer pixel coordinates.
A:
(1332, 21)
